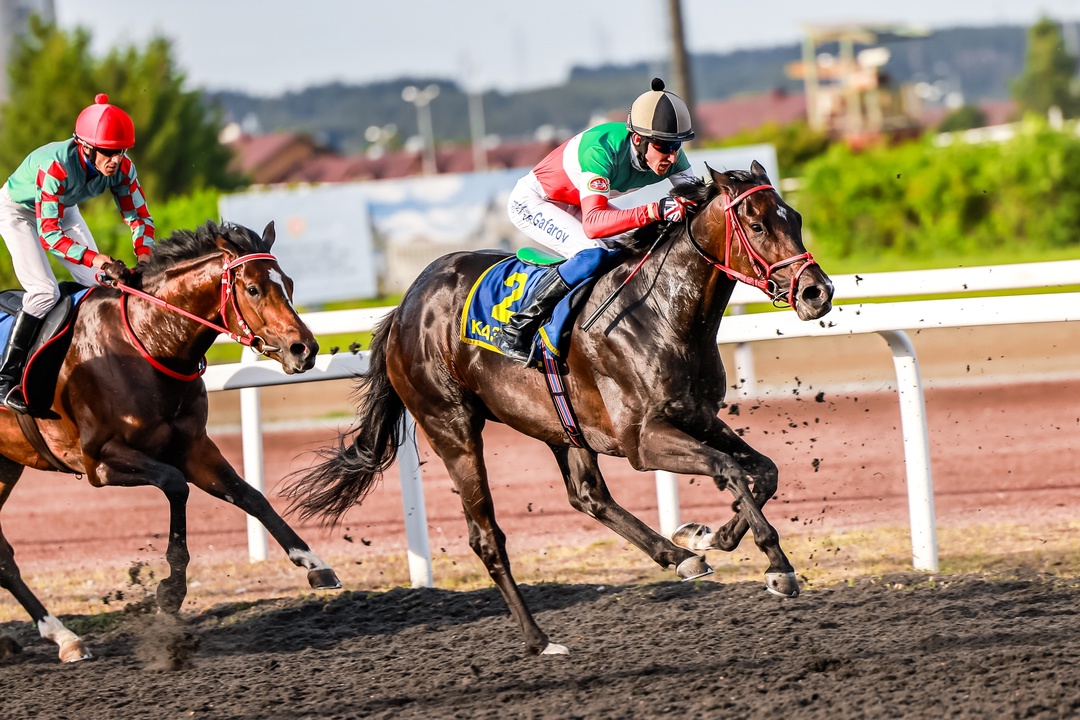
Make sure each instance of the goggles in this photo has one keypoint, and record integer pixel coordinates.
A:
(665, 148)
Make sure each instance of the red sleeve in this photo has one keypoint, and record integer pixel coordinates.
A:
(599, 219)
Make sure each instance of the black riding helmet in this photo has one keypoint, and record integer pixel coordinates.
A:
(660, 115)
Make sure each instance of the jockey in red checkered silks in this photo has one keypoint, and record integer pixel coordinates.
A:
(39, 215)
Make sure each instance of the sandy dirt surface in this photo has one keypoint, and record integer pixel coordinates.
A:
(1005, 646)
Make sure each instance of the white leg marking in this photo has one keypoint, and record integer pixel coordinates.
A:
(307, 559)
(52, 629)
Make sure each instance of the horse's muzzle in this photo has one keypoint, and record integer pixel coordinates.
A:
(813, 296)
(300, 356)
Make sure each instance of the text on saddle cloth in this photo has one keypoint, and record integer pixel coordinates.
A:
(503, 287)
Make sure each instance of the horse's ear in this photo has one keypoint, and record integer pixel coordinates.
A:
(226, 246)
(759, 173)
(721, 180)
(268, 235)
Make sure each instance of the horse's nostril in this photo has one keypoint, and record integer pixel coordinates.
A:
(300, 349)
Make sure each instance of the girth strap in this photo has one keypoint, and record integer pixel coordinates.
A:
(561, 400)
(33, 435)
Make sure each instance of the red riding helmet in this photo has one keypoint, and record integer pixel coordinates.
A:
(105, 126)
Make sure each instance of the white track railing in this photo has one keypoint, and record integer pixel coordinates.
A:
(888, 319)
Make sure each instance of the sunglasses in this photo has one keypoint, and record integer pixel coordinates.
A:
(110, 152)
(666, 148)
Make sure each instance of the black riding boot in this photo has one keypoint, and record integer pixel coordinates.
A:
(515, 339)
(23, 332)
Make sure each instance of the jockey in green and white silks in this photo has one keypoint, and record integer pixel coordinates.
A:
(39, 215)
(563, 202)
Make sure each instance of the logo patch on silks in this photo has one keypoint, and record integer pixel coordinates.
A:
(497, 294)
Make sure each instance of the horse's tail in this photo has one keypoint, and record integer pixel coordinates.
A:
(349, 470)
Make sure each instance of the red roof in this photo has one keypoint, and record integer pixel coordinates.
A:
(720, 119)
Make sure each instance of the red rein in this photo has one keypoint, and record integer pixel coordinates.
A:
(248, 338)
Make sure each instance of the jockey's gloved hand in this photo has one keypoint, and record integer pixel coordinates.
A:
(671, 209)
(114, 272)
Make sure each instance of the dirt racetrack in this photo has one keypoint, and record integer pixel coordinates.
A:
(896, 647)
(999, 644)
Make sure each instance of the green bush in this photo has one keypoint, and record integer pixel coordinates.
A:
(182, 212)
(964, 200)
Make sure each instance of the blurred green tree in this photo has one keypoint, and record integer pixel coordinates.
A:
(53, 77)
(964, 117)
(1048, 77)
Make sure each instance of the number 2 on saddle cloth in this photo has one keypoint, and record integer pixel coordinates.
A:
(501, 290)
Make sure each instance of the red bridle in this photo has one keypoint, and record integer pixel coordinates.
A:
(762, 269)
(248, 338)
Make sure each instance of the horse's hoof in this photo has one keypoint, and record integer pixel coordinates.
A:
(170, 600)
(693, 536)
(555, 649)
(782, 584)
(74, 651)
(693, 567)
(324, 579)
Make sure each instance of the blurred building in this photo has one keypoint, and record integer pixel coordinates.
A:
(290, 157)
(849, 95)
(14, 21)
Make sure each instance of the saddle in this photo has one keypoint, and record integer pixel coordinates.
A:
(49, 347)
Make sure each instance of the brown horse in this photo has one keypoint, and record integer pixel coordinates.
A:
(130, 407)
(648, 386)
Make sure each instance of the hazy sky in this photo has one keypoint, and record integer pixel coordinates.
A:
(272, 46)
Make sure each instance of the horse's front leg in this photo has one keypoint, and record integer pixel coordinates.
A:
(665, 447)
(780, 577)
(589, 494)
(210, 471)
(765, 480)
(121, 466)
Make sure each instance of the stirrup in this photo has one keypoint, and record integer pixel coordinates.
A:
(15, 401)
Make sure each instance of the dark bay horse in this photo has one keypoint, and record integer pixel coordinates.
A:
(647, 384)
(130, 407)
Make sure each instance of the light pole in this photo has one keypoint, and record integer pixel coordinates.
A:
(422, 100)
(379, 137)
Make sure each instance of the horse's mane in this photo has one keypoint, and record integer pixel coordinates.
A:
(190, 244)
(698, 191)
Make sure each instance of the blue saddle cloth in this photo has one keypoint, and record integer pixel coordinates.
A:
(48, 349)
(500, 290)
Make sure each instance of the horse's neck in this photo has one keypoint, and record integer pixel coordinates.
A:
(692, 293)
(169, 333)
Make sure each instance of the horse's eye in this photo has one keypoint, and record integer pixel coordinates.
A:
(756, 227)
(253, 291)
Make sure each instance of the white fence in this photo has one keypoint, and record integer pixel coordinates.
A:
(888, 319)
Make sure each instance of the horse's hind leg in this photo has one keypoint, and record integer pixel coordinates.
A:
(71, 645)
(455, 435)
(210, 471)
(589, 494)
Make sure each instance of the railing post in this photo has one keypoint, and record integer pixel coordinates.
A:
(920, 484)
(251, 434)
(412, 501)
(667, 501)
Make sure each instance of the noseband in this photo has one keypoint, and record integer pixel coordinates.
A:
(248, 338)
(762, 269)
